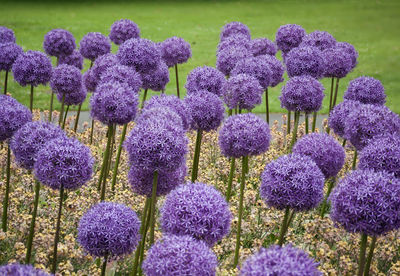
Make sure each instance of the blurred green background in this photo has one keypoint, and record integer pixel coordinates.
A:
(373, 27)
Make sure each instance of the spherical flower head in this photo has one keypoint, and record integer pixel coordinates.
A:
(263, 46)
(243, 135)
(89, 80)
(320, 39)
(237, 40)
(157, 79)
(339, 114)
(114, 103)
(109, 229)
(30, 138)
(64, 162)
(173, 102)
(205, 78)
(74, 59)
(75, 98)
(326, 152)
(122, 73)
(276, 67)
(32, 68)
(348, 48)
(243, 91)
(337, 62)
(6, 35)
(368, 122)
(234, 28)
(157, 145)
(367, 202)
(16, 269)
(175, 50)
(59, 42)
(65, 80)
(93, 45)
(292, 181)
(179, 255)
(276, 260)
(9, 52)
(257, 67)
(303, 93)
(122, 30)
(289, 36)
(305, 60)
(102, 64)
(161, 113)
(229, 57)
(13, 116)
(142, 54)
(366, 90)
(207, 110)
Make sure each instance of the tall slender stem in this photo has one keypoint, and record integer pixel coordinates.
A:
(5, 83)
(7, 193)
(77, 117)
(91, 132)
(51, 106)
(295, 127)
(196, 155)
(32, 226)
(266, 106)
(61, 117)
(153, 203)
(104, 266)
(121, 142)
(288, 124)
(369, 257)
(31, 99)
(283, 226)
(353, 167)
(239, 225)
(314, 121)
(344, 143)
(336, 92)
(306, 121)
(153, 226)
(105, 161)
(331, 183)
(331, 95)
(230, 112)
(361, 258)
(65, 117)
(230, 180)
(144, 98)
(177, 81)
(57, 235)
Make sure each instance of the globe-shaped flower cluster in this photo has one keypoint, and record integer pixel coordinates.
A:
(74, 59)
(59, 42)
(16, 269)
(156, 79)
(66, 79)
(276, 67)
(122, 30)
(6, 35)
(243, 91)
(289, 36)
(366, 90)
(229, 57)
(234, 41)
(320, 39)
(234, 28)
(339, 114)
(307, 60)
(123, 74)
(175, 50)
(257, 67)
(263, 46)
(349, 49)
(338, 63)
(93, 45)
(9, 52)
(205, 78)
(93, 75)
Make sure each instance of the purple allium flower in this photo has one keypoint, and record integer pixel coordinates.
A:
(13, 116)
(114, 103)
(276, 67)
(289, 36)
(305, 61)
(339, 114)
(368, 122)
(207, 110)
(177, 105)
(102, 64)
(338, 62)
(109, 228)
(320, 39)
(243, 135)
(293, 181)
(234, 28)
(382, 154)
(6, 35)
(122, 30)
(32, 68)
(122, 73)
(157, 145)
(164, 114)
(234, 41)
(64, 161)
(89, 81)
(366, 90)
(74, 59)
(205, 78)
(367, 202)
(180, 255)
(198, 210)
(59, 42)
(243, 91)
(142, 180)
(157, 79)
(263, 46)
(229, 57)
(348, 48)
(303, 93)
(75, 97)
(276, 260)
(30, 138)
(257, 67)
(16, 269)
(93, 45)
(175, 50)
(142, 54)
(65, 79)
(326, 152)
(9, 52)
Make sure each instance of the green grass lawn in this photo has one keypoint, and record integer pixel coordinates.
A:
(373, 27)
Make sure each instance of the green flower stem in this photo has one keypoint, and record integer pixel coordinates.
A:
(361, 258)
(153, 203)
(115, 171)
(353, 167)
(344, 143)
(5, 83)
(153, 225)
(60, 119)
(288, 123)
(331, 95)
(91, 132)
(314, 121)
(196, 157)
(283, 226)
(32, 226)
(144, 98)
(177, 81)
(230, 180)
(7, 193)
(105, 162)
(57, 235)
(230, 112)
(266, 106)
(103, 168)
(77, 117)
(51, 106)
(369, 257)
(104, 266)
(336, 92)
(306, 122)
(296, 125)
(324, 206)
(31, 100)
(65, 117)
(239, 225)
